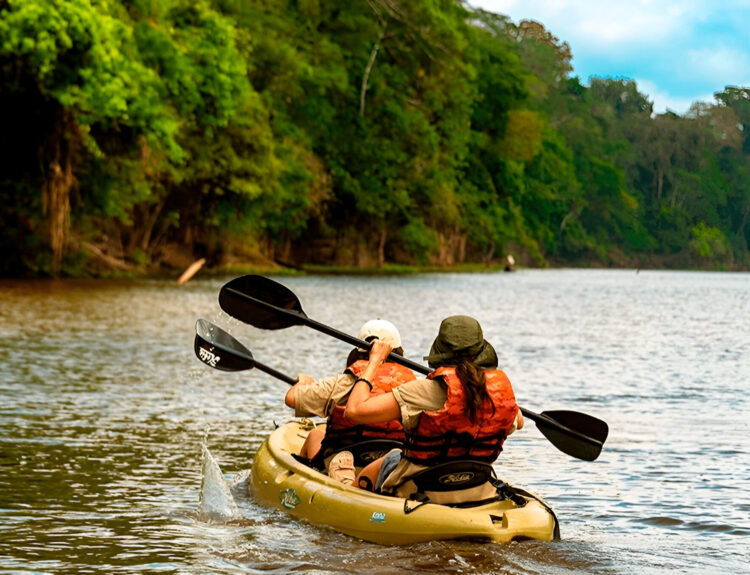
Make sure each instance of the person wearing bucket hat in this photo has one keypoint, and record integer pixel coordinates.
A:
(463, 410)
(327, 398)
(460, 337)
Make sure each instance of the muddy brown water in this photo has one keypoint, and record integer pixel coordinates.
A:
(103, 408)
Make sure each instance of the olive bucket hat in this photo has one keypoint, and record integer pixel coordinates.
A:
(460, 337)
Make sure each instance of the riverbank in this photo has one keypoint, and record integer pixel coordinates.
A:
(101, 262)
(334, 270)
(270, 268)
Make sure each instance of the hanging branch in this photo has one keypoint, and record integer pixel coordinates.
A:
(368, 69)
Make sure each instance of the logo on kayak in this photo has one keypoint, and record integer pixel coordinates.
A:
(377, 517)
(208, 357)
(289, 498)
(454, 478)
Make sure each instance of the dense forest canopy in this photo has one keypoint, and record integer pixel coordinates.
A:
(140, 134)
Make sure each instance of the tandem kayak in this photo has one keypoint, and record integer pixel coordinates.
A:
(281, 481)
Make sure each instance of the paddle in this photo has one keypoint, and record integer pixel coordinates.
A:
(265, 303)
(217, 349)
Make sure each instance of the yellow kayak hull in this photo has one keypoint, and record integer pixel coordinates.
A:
(280, 481)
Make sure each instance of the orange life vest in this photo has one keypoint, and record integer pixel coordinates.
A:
(341, 431)
(448, 433)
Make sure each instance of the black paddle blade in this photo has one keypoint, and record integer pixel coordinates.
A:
(217, 349)
(244, 298)
(577, 434)
(581, 422)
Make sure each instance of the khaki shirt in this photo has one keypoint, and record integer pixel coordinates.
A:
(320, 397)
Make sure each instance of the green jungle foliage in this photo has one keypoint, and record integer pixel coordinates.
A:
(142, 134)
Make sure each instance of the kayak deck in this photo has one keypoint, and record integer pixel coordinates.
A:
(280, 481)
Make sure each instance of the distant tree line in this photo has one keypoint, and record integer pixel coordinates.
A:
(145, 133)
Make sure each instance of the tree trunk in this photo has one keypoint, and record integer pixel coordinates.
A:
(368, 70)
(57, 167)
(745, 214)
(490, 254)
(461, 249)
(572, 213)
(659, 182)
(381, 245)
(152, 217)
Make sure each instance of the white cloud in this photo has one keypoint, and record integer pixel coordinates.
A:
(720, 65)
(664, 101)
(616, 27)
(604, 25)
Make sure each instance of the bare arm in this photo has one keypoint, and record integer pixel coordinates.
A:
(365, 408)
(517, 422)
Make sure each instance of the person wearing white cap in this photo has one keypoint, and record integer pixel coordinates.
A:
(327, 398)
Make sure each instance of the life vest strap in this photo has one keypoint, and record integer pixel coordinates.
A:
(339, 438)
(452, 446)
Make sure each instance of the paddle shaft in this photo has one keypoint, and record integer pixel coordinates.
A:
(302, 318)
(275, 373)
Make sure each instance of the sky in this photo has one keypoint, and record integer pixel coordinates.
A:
(677, 51)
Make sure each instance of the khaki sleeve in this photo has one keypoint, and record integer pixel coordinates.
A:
(417, 396)
(320, 397)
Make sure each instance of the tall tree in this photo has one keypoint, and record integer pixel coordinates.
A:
(79, 60)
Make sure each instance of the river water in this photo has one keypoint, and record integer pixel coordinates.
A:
(104, 409)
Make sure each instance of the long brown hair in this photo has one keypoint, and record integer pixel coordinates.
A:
(475, 387)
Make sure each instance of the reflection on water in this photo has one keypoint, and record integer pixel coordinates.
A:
(103, 409)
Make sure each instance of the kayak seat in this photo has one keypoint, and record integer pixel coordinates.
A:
(365, 452)
(450, 476)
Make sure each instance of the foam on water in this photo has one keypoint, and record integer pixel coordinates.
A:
(216, 502)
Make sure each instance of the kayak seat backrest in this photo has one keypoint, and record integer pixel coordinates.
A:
(453, 475)
(449, 476)
(365, 452)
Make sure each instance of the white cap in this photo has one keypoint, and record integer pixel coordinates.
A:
(381, 329)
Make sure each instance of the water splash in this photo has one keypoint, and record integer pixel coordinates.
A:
(216, 501)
